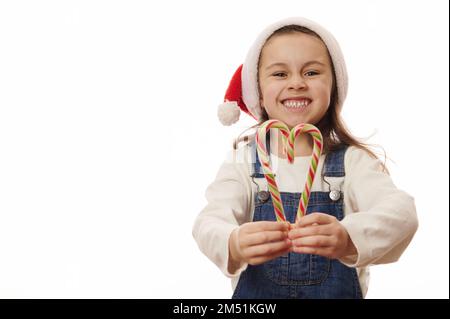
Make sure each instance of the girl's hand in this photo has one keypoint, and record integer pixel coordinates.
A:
(258, 242)
(321, 234)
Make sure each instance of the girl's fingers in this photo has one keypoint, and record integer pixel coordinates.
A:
(314, 241)
(255, 227)
(267, 249)
(263, 237)
(315, 218)
(309, 231)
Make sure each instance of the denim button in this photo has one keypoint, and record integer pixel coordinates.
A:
(335, 195)
(263, 195)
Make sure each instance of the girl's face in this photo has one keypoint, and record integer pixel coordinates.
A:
(295, 78)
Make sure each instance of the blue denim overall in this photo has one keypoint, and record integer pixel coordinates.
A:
(296, 275)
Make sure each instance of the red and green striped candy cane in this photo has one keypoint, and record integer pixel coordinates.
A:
(264, 158)
(317, 150)
(288, 138)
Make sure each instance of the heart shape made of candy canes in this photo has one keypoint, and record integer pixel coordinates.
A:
(288, 138)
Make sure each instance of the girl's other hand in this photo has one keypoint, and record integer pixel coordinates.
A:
(321, 234)
(258, 242)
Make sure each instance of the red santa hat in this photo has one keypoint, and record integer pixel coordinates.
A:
(243, 93)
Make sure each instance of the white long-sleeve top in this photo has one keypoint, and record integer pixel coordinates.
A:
(380, 219)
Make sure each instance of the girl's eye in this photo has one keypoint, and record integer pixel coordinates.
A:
(279, 74)
(311, 73)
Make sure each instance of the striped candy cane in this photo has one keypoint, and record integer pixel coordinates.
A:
(264, 158)
(317, 150)
(288, 139)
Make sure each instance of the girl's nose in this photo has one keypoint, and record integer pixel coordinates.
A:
(297, 82)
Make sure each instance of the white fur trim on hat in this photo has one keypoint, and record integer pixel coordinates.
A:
(250, 90)
(228, 113)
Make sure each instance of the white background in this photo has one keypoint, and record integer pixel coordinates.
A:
(109, 136)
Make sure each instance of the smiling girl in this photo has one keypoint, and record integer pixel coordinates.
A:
(356, 217)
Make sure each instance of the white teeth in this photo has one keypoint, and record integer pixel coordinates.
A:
(296, 103)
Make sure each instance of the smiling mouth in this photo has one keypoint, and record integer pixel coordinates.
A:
(297, 104)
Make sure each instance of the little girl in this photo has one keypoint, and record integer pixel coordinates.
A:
(356, 217)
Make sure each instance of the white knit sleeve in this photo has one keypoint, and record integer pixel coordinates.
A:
(383, 219)
(228, 207)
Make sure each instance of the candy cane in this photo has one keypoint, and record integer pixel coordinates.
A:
(317, 150)
(288, 139)
(264, 158)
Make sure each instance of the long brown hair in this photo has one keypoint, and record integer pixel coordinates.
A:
(334, 131)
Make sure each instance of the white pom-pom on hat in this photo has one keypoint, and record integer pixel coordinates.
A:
(228, 113)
